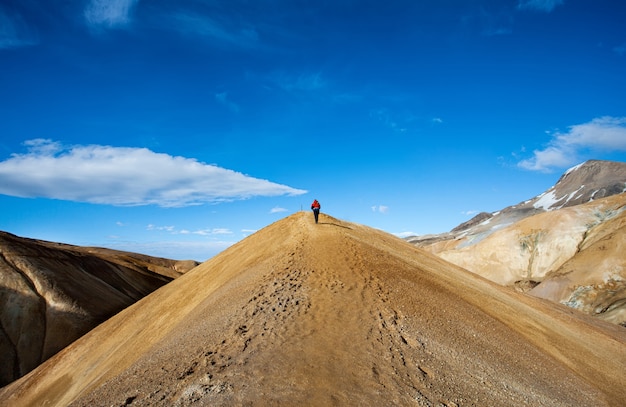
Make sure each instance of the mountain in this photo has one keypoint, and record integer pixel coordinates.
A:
(586, 182)
(566, 244)
(583, 183)
(334, 313)
(53, 293)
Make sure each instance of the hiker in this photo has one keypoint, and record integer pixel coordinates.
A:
(315, 206)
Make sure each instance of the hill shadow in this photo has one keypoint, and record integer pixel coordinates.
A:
(334, 224)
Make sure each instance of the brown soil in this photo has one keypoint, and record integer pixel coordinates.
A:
(334, 313)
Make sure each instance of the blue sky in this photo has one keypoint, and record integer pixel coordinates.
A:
(177, 128)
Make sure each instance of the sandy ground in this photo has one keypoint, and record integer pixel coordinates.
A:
(334, 313)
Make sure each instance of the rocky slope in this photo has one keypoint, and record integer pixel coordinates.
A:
(566, 245)
(52, 293)
(334, 314)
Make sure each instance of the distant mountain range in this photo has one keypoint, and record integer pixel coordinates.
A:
(566, 244)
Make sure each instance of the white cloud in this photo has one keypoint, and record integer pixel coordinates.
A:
(221, 231)
(42, 146)
(203, 232)
(277, 209)
(380, 208)
(125, 176)
(539, 5)
(109, 13)
(601, 134)
(160, 228)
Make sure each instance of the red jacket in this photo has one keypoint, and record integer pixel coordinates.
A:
(315, 205)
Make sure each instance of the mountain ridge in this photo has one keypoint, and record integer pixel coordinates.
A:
(335, 313)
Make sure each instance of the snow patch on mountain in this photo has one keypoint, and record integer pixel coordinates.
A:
(545, 201)
(548, 200)
(574, 168)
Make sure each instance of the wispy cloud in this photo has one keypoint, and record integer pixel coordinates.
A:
(384, 116)
(601, 134)
(125, 176)
(180, 250)
(160, 228)
(200, 232)
(109, 13)
(400, 120)
(210, 232)
(490, 21)
(380, 208)
(15, 32)
(539, 5)
(222, 98)
(228, 34)
(497, 30)
(277, 209)
(304, 82)
(620, 50)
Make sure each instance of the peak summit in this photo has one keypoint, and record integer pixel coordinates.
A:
(593, 179)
